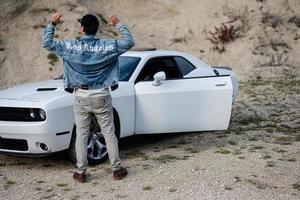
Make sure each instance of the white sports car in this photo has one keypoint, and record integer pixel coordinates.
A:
(159, 92)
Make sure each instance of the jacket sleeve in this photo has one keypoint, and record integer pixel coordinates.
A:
(56, 47)
(127, 41)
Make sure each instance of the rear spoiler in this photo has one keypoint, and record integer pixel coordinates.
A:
(220, 67)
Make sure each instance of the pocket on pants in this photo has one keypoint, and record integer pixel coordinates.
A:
(81, 104)
(102, 104)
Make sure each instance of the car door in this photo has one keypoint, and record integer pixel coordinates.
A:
(181, 104)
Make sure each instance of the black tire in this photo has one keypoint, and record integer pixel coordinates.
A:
(97, 151)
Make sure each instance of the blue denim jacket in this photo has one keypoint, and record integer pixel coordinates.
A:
(89, 61)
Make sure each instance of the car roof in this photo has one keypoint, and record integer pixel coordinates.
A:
(142, 53)
(155, 53)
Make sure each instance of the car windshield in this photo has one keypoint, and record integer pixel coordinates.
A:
(127, 66)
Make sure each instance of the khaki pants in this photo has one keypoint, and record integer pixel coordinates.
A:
(98, 102)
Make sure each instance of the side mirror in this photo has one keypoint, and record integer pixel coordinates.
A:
(158, 77)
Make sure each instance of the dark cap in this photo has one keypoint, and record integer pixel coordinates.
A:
(90, 23)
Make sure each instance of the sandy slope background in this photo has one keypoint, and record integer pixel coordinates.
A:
(268, 32)
(257, 158)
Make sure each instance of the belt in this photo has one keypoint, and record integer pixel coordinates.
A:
(86, 87)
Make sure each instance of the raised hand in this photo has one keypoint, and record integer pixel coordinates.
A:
(114, 20)
(56, 18)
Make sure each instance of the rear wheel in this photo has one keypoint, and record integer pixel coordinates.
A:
(96, 146)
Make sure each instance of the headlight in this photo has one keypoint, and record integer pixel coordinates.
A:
(37, 114)
(32, 113)
(42, 114)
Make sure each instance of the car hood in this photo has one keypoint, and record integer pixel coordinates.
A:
(37, 91)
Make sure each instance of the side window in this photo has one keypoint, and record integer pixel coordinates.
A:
(184, 65)
(154, 65)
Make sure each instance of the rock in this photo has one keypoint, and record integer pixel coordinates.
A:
(2, 58)
(271, 19)
(12, 8)
(295, 20)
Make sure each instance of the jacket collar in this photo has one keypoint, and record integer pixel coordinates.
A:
(87, 36)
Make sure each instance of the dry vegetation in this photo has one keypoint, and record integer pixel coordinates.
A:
(222, 35)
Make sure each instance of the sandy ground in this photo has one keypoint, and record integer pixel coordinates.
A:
(258, 157)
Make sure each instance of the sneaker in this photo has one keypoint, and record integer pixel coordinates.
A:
(80, 177)
(120, 173)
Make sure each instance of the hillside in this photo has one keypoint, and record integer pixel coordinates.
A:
(267, 32)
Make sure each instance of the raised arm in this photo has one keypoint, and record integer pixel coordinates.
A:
(127, 41)
(56, 47)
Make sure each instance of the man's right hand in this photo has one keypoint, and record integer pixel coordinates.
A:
(56, 18)
(114, 20)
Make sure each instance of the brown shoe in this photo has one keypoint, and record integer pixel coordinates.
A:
(120, 173)
(80, 177)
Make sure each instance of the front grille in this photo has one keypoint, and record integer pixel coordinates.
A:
(13, 144)
(13, 114)
(19, 114)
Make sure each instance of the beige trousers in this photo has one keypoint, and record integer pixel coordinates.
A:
(99, 103)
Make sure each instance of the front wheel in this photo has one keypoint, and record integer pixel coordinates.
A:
(96, 146)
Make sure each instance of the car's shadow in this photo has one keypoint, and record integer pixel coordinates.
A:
(185, 140)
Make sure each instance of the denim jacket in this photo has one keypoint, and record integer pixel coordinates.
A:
(89, 61)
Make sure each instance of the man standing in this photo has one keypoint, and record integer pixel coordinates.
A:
(91, 68)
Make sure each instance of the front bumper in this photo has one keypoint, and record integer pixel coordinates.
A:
(44, 137)
(32, 138)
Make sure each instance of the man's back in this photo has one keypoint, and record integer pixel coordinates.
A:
(89, 61)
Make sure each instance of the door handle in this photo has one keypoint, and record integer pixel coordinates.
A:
(221, 84)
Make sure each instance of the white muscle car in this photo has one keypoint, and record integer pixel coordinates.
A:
(159, 92)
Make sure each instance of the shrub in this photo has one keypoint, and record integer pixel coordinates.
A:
(221, 35)
(52, 57)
